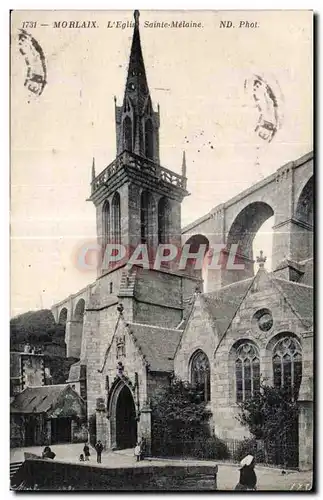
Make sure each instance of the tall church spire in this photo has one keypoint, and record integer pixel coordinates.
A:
(137, 122)
(136, 86)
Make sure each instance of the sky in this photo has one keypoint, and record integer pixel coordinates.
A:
(201, 79)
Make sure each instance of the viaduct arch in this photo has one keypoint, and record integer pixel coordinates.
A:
(287, 196)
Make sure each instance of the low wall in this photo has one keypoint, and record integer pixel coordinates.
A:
(48, 475)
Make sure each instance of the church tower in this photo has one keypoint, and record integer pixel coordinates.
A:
(137, 200)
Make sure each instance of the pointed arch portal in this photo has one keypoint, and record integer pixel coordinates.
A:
(123, 419)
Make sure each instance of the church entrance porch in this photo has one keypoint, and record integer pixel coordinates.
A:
(126, 424)
(123, 418)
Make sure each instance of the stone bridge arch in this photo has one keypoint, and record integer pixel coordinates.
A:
(71, 312)
(284, 195)
(193, 245)
(304, 222)
(242, 233)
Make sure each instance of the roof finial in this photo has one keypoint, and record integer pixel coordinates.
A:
(184, 165)
(261, 260)
(136, 15)
(120, 309)
(93, 169)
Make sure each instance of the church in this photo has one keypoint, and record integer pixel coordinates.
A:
(134, 328)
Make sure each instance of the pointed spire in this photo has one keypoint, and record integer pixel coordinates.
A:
(93, 169)
(184, 165)
(136, 15)
(261, 260)
(136, 87)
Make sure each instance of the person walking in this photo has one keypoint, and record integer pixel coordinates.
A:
(248, 478)
(99, 449)
(86, 451)
(138, 451)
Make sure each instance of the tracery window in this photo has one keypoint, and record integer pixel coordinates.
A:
(127, 129)
(200, 374)
(149, 140)
(287, 365)
(247, 371)
(105, 224)
(116, 218)
(144, 216)
(163, 220)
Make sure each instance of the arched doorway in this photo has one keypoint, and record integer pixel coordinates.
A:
(126, 424)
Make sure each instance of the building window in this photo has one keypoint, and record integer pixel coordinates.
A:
(163, 220)
(149, 140)
(247, 371)
(264, 319)
(105, 224)
(287, 365)
(200, 374)
(116, 222)
(127, 131)
(111, 287)
(144, 216)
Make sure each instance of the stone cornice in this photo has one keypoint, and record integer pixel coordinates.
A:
(295, 221)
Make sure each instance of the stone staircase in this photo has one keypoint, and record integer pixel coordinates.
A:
(14, 467)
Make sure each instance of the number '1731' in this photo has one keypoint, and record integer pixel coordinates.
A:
(29, 24)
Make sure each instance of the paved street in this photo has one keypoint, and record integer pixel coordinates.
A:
(268, 478)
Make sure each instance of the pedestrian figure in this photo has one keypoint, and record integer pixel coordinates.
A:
(86, 451)
(248, 478)
(143, 448)
(48, 453)
(138, 451)
(99, 449)
(81, 457)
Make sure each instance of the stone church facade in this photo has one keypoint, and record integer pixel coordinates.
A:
(134, 328)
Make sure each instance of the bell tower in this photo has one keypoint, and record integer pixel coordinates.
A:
(137, 200)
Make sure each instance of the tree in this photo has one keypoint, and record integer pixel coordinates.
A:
(179, 417)
(271, 416)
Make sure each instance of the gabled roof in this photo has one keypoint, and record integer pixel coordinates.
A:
(38, 399)
(300, 297)
(157, 344)
(223, 304)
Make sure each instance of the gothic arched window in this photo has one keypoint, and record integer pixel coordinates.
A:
(163, 220)
(105, 224)
(127, 133)
(144, 216)
(200, 374)
(116, 219)
(247, 371)
(149, 139)
(287, 365)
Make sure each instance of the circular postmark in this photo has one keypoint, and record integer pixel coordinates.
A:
(267, 100)
(36, 74)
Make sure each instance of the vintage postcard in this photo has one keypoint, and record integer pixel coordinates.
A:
(161, 332)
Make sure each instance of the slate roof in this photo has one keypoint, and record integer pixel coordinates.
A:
(37, 399)
(307, 278)
(75, 372)
(157, 344)
(224, 303)
(300, 297)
